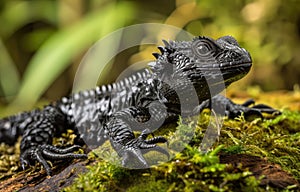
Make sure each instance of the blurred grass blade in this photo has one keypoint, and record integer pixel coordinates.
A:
(9, 77)
(57, 52)
(19, 13)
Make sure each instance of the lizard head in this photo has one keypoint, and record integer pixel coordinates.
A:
(204, 62)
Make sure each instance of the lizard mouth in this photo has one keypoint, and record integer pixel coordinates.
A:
(225, 73)
(245, 66)
(235, 72)
(226, 66)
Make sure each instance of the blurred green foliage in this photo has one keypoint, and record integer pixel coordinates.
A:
(42, 42)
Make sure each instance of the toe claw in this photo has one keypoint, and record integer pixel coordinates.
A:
(154, 140)
(40, 158)
(24, 164)
(253, 112)
(133, 158)
(248, 102)
(266, 109)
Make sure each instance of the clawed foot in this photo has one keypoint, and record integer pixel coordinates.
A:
(48, 152)
(132, 153)
(235, 110)
(224, 106)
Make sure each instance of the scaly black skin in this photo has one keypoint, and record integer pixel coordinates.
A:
(140, 102)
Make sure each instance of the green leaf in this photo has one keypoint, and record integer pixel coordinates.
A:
(9, 77)
(57, 52)
(19, 13)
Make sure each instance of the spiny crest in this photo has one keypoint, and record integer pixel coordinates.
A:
(202, 37)
(167, 49)
(162, 61)
(170, 46)
(170, 58)
(170, 50)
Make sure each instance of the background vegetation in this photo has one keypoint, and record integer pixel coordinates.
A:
(42, 42)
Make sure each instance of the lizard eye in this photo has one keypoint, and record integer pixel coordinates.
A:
(203, 48)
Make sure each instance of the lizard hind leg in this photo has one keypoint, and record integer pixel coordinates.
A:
(36, 144)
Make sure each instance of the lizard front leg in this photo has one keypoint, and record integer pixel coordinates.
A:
(225, 106)
(123, 140)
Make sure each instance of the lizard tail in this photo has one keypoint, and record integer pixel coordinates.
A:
(13, 126)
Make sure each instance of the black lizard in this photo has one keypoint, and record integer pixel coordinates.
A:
(202, 66)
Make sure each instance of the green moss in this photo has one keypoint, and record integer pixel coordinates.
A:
(191, 170)
(101, 177)
(9, 160)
